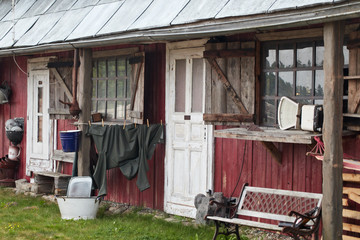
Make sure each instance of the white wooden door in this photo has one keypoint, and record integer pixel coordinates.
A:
(188, 168)
(38, 135)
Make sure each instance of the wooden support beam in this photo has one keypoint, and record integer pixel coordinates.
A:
(274, 151)
(228, 117)
(332, 129)
(84, 97)
(229, 53)
(227, 86)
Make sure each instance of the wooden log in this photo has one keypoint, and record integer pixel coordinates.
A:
(351, 177)
(351, 214)
(333, 97)
(351, 228)
(228, 117)
(344, 237)
(348, 190)
(84, 94)
(354, 197)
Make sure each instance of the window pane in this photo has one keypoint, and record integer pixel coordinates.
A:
(320, 55)
(102, 68)
(346, 55)
(120, 110)
(319, 83)
(111, 68)
(40, 129)
(101, 89)
(121, 67)
(304, 55)
(94, 89)
(40, 100)
(94, 69)
(110, 113)
(286, 84)
(180, 74)
(101, 107)
(270, 83)
(93, 106)
(128, 90)
(268, 112)
(197, 85)
(303, 83)
(111, 88)
(270, 57)
(120, 89)
(286, 55)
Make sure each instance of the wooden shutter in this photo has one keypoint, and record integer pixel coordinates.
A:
(60, 89)
(136, 106)
(230, 82)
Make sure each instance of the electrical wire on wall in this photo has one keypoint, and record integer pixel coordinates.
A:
(13, 35)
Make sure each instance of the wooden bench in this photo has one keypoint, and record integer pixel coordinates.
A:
(294, 213)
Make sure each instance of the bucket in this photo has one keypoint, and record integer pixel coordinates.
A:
(70, 140)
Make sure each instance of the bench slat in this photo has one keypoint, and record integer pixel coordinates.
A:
(247, 223)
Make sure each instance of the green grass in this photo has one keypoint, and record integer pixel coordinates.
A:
(25, 217)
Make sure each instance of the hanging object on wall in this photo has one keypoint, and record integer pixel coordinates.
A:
(5, 92)
(74, 108)
(14, 129)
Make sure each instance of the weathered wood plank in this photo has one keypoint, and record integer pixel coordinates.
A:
(344, 237)
(62, 83)
(348, 190)
(351, 177)
(354, 70)
(274, 151)
(354, 196)
(247, 79)
(228, 53)
(351, 227)
(345, 202)
(351, 214)
(228, 86)
(333, 97)
(84, 95)
(115, 52)
(268, 135)
(228, 117)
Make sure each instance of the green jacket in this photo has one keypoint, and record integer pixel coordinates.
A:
(127, 149)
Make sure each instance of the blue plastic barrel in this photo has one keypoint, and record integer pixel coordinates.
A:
(70, 140)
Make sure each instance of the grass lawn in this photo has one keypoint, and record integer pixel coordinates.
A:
(25, 217)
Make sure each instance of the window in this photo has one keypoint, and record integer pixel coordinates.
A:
(292, 69)
(111, 95)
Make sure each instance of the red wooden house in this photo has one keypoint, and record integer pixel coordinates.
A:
(168, 62)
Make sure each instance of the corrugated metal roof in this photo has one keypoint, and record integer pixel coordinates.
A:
(44, 22)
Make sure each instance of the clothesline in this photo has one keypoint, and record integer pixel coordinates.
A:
(89, 123)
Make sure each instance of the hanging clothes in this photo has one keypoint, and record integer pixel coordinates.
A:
(128, 148)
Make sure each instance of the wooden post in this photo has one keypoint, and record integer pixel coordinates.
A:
(84, 98)
(333, 157)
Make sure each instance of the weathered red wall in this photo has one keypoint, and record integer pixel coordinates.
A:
(16, 107)
(119, 188)
(297, 172)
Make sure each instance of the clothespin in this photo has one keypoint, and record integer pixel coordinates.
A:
(147, 121)
(135, 125)
(161, 122)
(102, 122)
(124, 124)
(89, 123)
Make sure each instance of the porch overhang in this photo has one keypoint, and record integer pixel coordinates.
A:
(207, 28)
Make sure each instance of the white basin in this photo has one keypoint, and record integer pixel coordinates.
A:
(78, 208)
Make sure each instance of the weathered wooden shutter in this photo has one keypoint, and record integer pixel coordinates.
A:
(136, 106)
(60, 89)
(230, 82)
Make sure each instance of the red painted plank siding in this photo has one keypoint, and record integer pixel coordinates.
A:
(297, 172)
(119, 188)
(17, 106)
